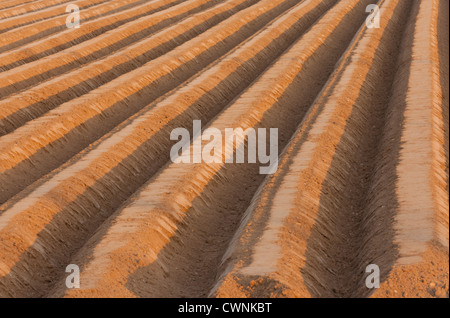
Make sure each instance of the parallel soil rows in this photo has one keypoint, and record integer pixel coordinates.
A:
(33, 102)
(181, 213)
(36, 31)
(74, 125)
(73, 57)
(24, 19)
(316, 188)
(86, 117)
(23, 8)
(13, 3)
(364, 231)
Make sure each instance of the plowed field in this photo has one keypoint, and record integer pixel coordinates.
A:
(87, 115)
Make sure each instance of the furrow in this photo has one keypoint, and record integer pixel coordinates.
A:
(44, 143)
(224, 148)
(129, 156)
(416, 122)
(380, 226)
(30, 104)
(46, 68)
(182, 215)
(313, 228)
(420, 186)
(71, 37)
(36, 31)
(443, 47)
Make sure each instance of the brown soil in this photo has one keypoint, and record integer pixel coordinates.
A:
(427, 279)
(85, 170)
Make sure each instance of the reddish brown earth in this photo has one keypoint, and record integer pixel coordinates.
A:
(85, 170)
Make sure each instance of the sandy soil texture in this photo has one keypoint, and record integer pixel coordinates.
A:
(86, 176)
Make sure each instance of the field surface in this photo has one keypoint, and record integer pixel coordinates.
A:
(360, 102)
